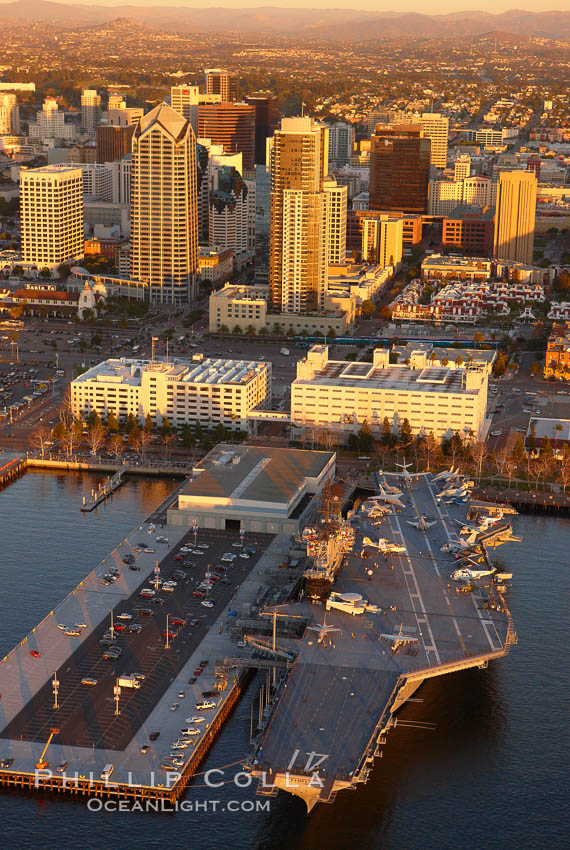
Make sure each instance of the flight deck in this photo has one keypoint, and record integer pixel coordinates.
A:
(351, 673)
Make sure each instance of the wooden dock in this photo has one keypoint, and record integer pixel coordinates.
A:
(105, 489)
(11, 470)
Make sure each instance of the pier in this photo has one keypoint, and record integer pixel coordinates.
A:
(105, 489)
(11, 470)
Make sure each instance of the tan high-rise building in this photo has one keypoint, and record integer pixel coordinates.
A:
(9, 114)
(51, 210)
(383, 240)
(219, 81)
(436, 129)
(298, 214)
(164, 218)
(337, 202)
(515, 216)
(90, 110)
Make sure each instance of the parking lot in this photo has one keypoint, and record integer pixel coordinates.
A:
(86, 716)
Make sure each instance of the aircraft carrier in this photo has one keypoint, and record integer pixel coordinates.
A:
(393, 619)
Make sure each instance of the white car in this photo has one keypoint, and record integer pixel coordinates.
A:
(61, 627)
(73, 632)
(206, 603)
(203, 546)
(197, 552)
(496, 433)
(538, 411)
(238, 545)
(195, 719)
(167, 588)
(124, 616)
(149, 550)
(174, 706)
(522, 429)
(184, 550)
(80, 625)
(245, 556)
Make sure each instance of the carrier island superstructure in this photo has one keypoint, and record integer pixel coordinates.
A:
(416, 597)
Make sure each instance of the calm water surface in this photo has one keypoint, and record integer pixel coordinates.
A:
(491, 775)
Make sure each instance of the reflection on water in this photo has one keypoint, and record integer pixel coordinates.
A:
(489, 775)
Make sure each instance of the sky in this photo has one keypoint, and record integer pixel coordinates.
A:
(426, 7)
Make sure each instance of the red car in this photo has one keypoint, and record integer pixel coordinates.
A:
(179, 557)
(119, 627)
(169, 634)
(198, 593)
(197, 671)
(177, 621)
(35, 653)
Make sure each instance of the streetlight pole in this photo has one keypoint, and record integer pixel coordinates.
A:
(112, 629)
(117, 694)
(167, 634)
(55, 686)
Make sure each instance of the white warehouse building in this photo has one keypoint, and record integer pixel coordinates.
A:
(210, 391)
(342, 396)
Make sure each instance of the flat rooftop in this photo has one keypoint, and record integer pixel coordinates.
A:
(340, 373)
(210, 370)
(248, 473)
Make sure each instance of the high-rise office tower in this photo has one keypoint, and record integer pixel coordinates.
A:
(265, 104)
(298, 216)
(337, 202)
(185, 99)
(116, 101)
(231, 125)
(436, 129)
(50, 123)
(382, 240)
(341, 144)
(462, 167)
(515, 216)
(9, 114)
(113, 143)
(51, 210)
(219, 81)
(399, 168)
(164, 221)
(90, 111)
(125, 116)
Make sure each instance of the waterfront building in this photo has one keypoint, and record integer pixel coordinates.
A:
(51, 212)
(254, 489)
(298, 211)
(343, 396)
(211, 391)
(515, 216)
(164, 218)
(399, 168)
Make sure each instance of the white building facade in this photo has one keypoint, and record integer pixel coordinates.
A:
(210, 391)
(343, 396)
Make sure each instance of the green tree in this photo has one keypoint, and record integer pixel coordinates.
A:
(546, 449)
(459, 361)
(535, 368)
(478, 337)
(188, 439)
(518, 452)
(386, 438)
(365, 439)
(368, 308)
(112, 422)
(148, 423)
(332, 334)
(406, 432)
